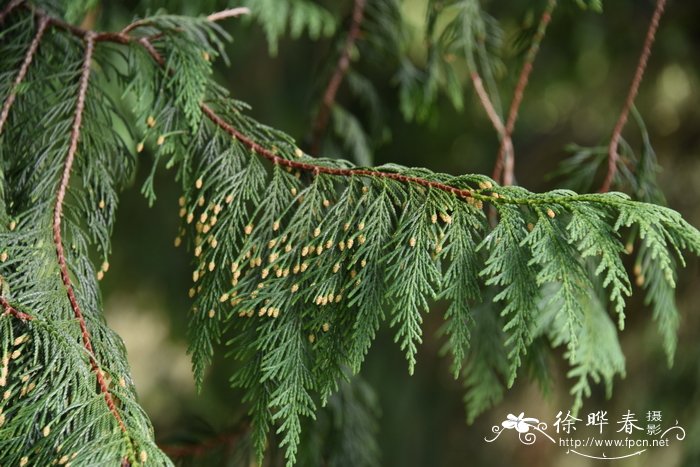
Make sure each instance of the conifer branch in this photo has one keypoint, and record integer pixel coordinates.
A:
(381, 239)
(22, 73)
(506, 155)
(631, 95)
(320, 169)
(10, 310)
(57, 220)
(341, 68)
(122, 38)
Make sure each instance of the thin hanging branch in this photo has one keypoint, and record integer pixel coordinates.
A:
(229, 13)
(58, 216)
(22, 73)
(10, 310)
(486, 103)
(613, 155)
(341, 68)
(505, 161)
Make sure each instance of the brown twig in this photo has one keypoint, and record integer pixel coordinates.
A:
(43, 23)
(228, 13)
(321, 121)
(8, 9)
(217, 16)
(491, 112)
(631, 95)
(123, 36)
(58, 216)
(506, 156)
(157, 57)
(78, 31)
(487, 104)
(319, 169)
(10, 310)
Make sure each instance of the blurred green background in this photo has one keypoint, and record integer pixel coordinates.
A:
(576, 91)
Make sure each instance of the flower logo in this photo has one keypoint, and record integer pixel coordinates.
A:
(519, 423)
(522, 425)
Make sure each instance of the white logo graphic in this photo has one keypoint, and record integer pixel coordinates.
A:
(529, 428)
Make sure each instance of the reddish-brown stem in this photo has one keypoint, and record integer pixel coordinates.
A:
(319, 169)
(228, 13)
(487, 104)
(10, 310)
(146, 44)
(321, 121)
(58, 216)
(631, 95)
(505, 161)
(8, 8)
(78, 31)
(43, 22)
(491, 112)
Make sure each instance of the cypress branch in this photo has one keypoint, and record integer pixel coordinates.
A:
(295, 259)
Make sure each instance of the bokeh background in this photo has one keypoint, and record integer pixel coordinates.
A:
(576, 91)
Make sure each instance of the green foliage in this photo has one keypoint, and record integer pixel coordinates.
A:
(487, 364)
(50, 409)
(595, 5)
(461, 279)
(655, 267)
(636, 172)
(297, 16)
(297, 261)
(459, 34)
(302, 257)
(353, 138)
(510, 266)
(344, 433)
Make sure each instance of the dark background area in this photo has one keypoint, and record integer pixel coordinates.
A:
(575, 94)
